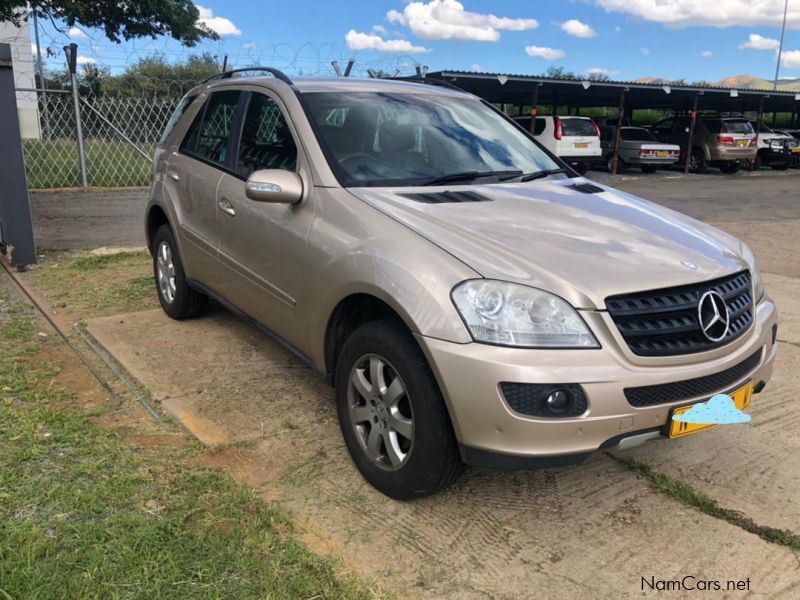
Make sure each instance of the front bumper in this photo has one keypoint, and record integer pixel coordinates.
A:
(492, 434)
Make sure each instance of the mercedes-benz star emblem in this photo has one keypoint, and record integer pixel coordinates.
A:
(712, 312)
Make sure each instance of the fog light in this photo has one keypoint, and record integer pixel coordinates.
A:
(559, 401)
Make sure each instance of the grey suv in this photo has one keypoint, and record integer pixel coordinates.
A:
(723, 142)
(471, 299)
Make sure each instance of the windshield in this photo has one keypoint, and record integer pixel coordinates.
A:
(397, 139)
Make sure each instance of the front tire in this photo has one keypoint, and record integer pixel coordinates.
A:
(177, 298)
(392, 414)
(697, 161)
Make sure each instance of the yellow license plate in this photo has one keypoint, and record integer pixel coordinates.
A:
(582, 145)
(741, 398)
(796, 150)
(662, 154)
(742, 143)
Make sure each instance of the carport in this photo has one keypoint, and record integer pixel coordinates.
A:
(531, 90)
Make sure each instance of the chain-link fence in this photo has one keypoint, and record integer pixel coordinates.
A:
(120, 134)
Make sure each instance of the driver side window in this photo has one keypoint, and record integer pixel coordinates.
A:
(266, 141)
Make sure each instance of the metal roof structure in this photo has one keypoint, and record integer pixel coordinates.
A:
(521, 90)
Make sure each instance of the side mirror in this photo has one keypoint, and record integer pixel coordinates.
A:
(274, 185)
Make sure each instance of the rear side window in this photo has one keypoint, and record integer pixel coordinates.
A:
(208, 136)
(179, 111)
(266, 142)
(538, 128)
(578, 127)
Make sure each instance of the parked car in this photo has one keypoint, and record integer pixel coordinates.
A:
(637, 148)
(470, 298)
(723, 142)
(575, 140)
(795, 133)
(774, 148)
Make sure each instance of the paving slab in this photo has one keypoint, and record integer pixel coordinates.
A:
(593, 530)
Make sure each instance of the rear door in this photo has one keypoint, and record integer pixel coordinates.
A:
(194, 172)
(263, 245)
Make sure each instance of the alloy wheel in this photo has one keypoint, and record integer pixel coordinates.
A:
(380, 412)
(165, 272)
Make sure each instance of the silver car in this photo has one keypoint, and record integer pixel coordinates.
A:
(471, 299)
(637, 148)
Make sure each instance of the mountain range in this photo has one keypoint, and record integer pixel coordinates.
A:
(739, 81)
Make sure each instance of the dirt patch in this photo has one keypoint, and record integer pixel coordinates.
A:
(496, 534)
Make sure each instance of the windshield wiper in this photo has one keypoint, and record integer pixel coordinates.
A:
(471, 176)
(541, 174)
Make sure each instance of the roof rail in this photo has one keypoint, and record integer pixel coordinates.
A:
(277, 73)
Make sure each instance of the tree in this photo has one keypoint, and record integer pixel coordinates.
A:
(120, 20)
(597, 76)
(559, 73)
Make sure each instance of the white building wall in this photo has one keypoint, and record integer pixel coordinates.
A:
(24, 76)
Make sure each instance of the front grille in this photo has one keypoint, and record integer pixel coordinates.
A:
(665, 322)
(664, 393)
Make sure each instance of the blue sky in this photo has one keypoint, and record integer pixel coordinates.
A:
(690, 39)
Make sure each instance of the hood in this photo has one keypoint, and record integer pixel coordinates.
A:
(581, 246)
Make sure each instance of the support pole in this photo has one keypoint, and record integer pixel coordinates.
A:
(42, 81)
(759, 121)
(618, 135)
(687, 153)
(72, 62)
(534, 105)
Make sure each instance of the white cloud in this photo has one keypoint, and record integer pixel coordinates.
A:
(249, 45)
(476, 67)
(617, 28)
(706, 54)
(791, 59)
(645, 51)
(577, 28)
(544, 52)
(357, 40)
(707, 13)
(759, 42)
(75, 33)
(379, 30)
(601, 71)
(447, 19)
(220, 25)
(85, 60)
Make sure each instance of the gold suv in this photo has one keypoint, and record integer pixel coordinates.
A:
(472, 299)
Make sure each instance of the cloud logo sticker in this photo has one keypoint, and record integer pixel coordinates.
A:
(719, 410)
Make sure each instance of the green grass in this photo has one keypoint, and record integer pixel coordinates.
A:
(85, 515)
(54, 164)
(88, 285)
(686, 494)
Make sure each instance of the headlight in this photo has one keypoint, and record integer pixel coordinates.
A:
(508, 314)
(755, 272)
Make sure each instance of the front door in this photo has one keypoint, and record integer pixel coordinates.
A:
(263, 246)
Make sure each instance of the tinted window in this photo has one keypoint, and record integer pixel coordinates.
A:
(736, 126)
(539, 126)
(575, 127)
(208, 137)
(266, 141)
(665, 125)
(637, 134)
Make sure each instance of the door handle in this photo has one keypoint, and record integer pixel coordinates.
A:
(173, 175)
(226, 207)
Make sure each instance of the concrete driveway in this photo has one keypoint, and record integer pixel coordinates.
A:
(596, 530)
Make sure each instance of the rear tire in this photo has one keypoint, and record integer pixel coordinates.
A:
(697, 161)
(621, 166)
(177, 298)
(397, 429)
